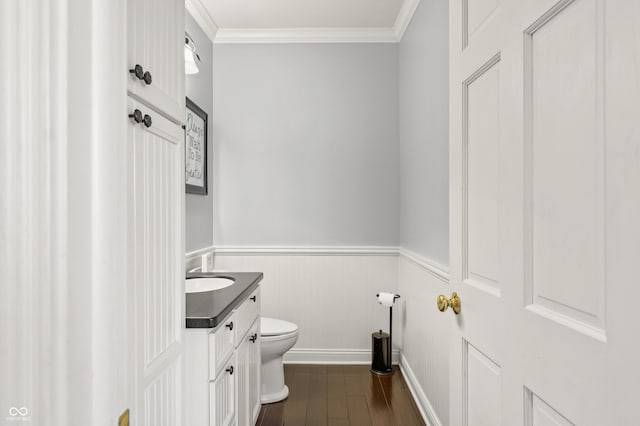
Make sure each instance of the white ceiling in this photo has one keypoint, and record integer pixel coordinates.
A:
(302, 20)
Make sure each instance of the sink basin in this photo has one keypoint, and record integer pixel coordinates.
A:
(199, 285)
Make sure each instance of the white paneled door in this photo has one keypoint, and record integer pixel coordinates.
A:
(545, 208)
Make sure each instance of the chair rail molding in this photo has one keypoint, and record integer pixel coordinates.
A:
(434, 268)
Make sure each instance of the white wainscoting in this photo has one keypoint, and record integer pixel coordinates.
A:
(193, 259)
(424, 335)
(329, 292)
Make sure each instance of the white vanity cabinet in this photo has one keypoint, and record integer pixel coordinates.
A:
(222, 343)
(155, 54)
(222, 369)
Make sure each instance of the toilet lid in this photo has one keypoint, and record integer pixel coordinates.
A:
(275, 327)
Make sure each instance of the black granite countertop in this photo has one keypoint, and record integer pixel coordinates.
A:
(207, 309)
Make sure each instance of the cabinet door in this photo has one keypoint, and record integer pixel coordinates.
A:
(223, 396)
(156, 43)
(255, 361)
(155, 185)
(249, 376)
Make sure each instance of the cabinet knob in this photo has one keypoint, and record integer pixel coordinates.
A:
(254, 337)
(137, 116)
(229, 370)
(253, 298)
(230, 325)
(141, 74)
(147, 120)
(138, 71)
(147, 78)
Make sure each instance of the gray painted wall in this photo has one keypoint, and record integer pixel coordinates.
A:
(424, 185)
(306, 144)
(424, 132)
(199, 209)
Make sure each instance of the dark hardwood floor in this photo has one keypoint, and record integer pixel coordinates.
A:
(337, 395)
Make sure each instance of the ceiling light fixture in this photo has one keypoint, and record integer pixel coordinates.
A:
(191, 58)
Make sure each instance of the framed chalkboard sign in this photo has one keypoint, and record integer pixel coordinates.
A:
(195, 135)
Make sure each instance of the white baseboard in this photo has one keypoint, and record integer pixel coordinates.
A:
(306, 251)
(424, 406)
(334, 356)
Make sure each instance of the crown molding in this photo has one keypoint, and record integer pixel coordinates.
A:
(404, 17)
(318, 35)
(306, 35)
(196, 9)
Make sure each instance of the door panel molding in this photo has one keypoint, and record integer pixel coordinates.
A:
(480, 180)
(564, 265)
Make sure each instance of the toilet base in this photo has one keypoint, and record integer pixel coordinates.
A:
(275, 396)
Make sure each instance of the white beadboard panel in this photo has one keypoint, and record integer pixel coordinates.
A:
(62, 201)
(156, 252)
(423, 334)
(424, 405)
(330, 294)
(156, 28)
(34, 280)
(194, 259)
(162, 389)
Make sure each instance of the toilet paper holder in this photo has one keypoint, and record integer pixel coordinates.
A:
(388, 369)
(395, 296)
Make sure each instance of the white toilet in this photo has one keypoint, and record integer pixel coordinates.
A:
(276, 338)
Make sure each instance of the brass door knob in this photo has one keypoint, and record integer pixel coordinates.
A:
(453, 303)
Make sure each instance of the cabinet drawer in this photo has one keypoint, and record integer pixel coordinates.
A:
(223, 396)
(222, 342)
(247, 313)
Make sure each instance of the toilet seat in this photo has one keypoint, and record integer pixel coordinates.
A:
(278, 337)
(274, 328)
